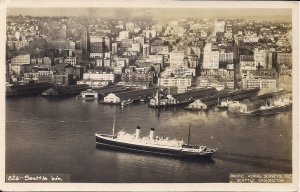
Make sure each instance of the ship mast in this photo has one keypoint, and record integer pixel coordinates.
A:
(189, 135)
(114, 126)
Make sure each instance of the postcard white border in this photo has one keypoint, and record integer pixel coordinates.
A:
(154, 186)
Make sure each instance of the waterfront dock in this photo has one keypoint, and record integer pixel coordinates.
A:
(100, 93)
(133, 95)
(213, 100)
(180, 98)
(251, 105)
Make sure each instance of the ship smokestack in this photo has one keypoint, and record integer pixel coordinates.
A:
(152, 133)
(137, 132)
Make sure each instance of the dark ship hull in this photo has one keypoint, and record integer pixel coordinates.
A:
(27, 89)
(273, 110)
(65, 90)
(102, 142)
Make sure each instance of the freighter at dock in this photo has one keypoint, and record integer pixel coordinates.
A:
(153, 145)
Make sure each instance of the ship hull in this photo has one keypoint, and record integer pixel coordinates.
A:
(28, 89)
(274, 110)
(128, 147)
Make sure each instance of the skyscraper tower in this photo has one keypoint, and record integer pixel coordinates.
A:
(85, 43)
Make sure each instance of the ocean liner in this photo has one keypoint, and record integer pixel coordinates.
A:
(153, 145)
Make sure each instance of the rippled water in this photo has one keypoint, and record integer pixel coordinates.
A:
(56, 135)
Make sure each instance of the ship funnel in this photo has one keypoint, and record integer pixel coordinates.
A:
(152, 133)
(137, 132)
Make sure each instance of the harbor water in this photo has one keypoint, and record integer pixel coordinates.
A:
(57, 135)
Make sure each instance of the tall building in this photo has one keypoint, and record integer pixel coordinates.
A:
(97, 46)
(260, 58)
(17, 35)
(136, 47)
(85, 43)
(100, 76)
(219, 26)
(114, 48)
(129, 27)
(107, 43)
(146, 49)
(226, 57)
(64, 32)
(70, 45)
(210, 58)
(124, 35)
(140, 40)
(284, 58)
(147, 34)
(176, 59)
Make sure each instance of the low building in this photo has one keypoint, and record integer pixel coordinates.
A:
(62, 79)
(135, 85)
(262, 83)
(30, 77)
(70, 60)
(21, 59)
(100, 76)
(138, 77)
(94, 83)
(160, 49)
(89, 94)
(285, 79)
(181, 83)
(197, 105)
(45, 76)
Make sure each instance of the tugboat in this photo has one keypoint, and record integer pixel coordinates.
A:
(153, 145)
(275, 106)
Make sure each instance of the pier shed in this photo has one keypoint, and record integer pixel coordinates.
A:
(89, 94)
(197, 105)
(116, 98)
(189, 96)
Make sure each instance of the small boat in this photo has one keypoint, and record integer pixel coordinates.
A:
(126, 102)
(224, 104)
(151, 144)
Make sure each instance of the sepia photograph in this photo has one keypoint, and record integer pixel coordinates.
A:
(181, 94)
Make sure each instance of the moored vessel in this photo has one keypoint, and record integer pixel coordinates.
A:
(224, 104)
(60, 90)
(26, 89)
(126, 102)
(274, 107)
